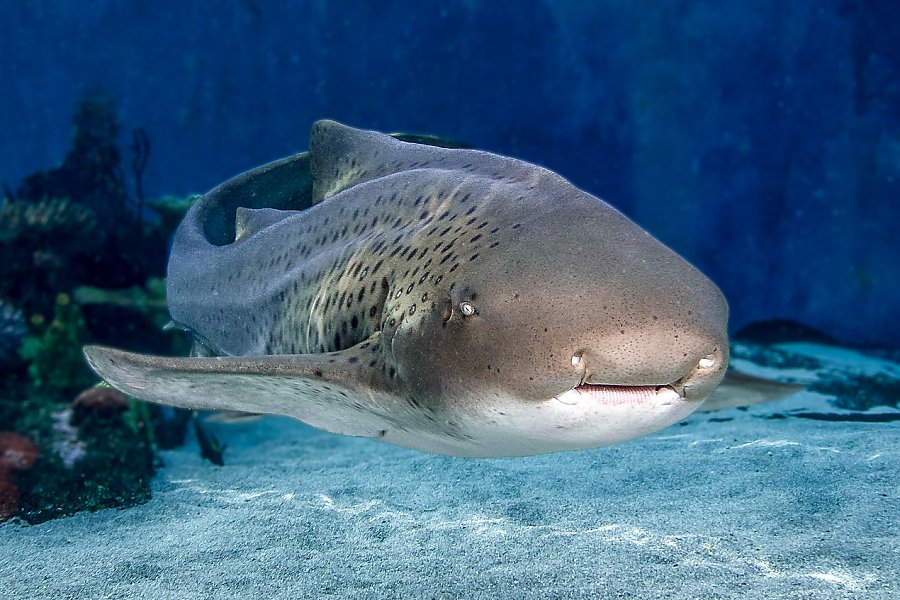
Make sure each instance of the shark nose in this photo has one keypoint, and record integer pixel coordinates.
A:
(710, 361)
(704, 377)
(703, 359)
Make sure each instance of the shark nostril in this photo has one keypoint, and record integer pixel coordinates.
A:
(578, 359)
(707, 362)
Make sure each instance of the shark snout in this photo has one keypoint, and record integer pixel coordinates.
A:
(705, 375)
(692, 368)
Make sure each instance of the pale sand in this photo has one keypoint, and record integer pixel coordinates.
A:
(746, 508)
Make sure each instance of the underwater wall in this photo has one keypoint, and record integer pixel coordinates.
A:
(759, 139)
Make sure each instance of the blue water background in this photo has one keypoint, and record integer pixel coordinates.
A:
(759, 139)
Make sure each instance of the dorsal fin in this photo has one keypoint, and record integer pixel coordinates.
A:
(285, 184)
(248, 221)
(342, 157)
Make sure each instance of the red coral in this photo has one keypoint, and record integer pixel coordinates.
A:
(17, 453)
(103, 402)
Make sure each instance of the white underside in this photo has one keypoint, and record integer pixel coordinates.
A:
(574, 420)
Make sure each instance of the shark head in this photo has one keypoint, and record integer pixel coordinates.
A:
(575, 329)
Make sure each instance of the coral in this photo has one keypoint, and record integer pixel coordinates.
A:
(12, 331)
(148, 300)
(83, 265)
(91, 173)
(55, 356)
(17, 453)
(46, 246)
(100, 402)
(66, 444)
(98, 463)
(125, 249)
(47, 218)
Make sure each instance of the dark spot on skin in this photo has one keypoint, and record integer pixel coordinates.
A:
(317, 373)
(353, 359)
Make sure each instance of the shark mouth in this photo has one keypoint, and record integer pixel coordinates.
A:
(620, 394)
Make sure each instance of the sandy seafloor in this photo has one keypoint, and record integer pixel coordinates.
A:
(725, 505)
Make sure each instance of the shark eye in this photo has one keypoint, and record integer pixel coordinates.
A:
(466, 308)
(577, 358)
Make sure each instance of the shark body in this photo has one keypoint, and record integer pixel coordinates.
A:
(449, 300)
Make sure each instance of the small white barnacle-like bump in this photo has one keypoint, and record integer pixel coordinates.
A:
(466, 308)
(577, 359)
(707, 361)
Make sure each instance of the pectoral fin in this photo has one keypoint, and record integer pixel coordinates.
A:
(740, 389)
(331, 391)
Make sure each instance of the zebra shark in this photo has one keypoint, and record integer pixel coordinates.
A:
(445, 299)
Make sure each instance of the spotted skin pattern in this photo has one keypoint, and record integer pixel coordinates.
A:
(384, 243)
